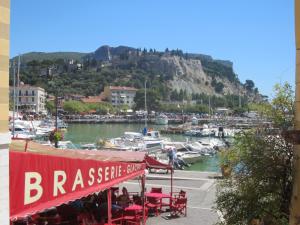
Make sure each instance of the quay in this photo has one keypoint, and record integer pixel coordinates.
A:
(237, 122)
(115, 120)
(201, 194)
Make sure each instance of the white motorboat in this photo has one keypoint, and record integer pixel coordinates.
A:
(61, 144)
(195, 121)
(188, 156)
(90, 146)
(161, 119)
(20, 131)
(204, 149)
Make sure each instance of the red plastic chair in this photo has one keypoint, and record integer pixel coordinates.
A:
(132, 217)
(153, 204)
(178, 207)
(156, 190)
(180, 194)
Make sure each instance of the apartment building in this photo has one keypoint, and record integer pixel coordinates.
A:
(29, 98)
(120, 95)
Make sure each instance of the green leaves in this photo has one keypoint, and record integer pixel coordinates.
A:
(80, 107)
(260, 185)
(153, 98)
(283, 105)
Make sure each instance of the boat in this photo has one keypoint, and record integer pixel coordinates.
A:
(61, 144)
(195, 121)
(90, 146)
(201, 132)
(189, 157)
(204, 149)
(21, 132)
(161, 119)
(135, 141)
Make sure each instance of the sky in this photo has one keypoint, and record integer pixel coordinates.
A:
(256, 35)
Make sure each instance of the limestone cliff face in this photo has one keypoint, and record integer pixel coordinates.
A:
(188, 74)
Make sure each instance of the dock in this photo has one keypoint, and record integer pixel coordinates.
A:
(201, 192)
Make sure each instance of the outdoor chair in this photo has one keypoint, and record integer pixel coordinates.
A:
(156, 190)
(178, 207)
(131, 217)
(117, 217)
(153, 205)
(180, 194)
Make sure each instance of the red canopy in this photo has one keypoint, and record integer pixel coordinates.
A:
(152, 163)
(44, 177)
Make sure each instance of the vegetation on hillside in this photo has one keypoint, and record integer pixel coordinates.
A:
(88, 74)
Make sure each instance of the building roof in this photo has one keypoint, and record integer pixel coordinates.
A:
(27, 86)
(92, 99)
(76, 95)
(120, 88)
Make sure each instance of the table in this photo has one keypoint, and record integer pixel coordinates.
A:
(134, 213)
(134, 207)
(159, 196)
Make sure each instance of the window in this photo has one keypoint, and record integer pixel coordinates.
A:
(19, 99)
(20, 93)
(32, 92)
(32, 99)
(127, 101)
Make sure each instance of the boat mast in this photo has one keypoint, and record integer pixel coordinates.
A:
(18, 84)
(146, 112)
(209, 108)
(14, 97)
(295, 201)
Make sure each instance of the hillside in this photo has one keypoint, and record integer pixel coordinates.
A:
(171, 72)
(40, 56)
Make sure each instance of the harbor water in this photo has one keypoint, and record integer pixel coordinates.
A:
(92, 133)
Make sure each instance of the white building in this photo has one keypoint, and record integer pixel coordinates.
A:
(29, 98)
(118, 95)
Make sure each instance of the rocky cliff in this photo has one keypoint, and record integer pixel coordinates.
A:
(192, 73)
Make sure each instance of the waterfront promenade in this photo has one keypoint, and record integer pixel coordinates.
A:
(200, 188)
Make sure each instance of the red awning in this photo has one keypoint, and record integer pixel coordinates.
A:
(152, 163)
(43, 179)
(103, 155)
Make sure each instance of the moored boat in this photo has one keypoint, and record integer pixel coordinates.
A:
(161, 120)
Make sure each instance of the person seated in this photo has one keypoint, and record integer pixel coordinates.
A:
(123, 199)
(137, 200)
(113, 197)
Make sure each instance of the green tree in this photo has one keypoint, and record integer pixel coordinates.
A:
(74, 107)
(219, 87)
(249, 85)
(153, 99)
(50, 106)
(260, 185)
(283, 105)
